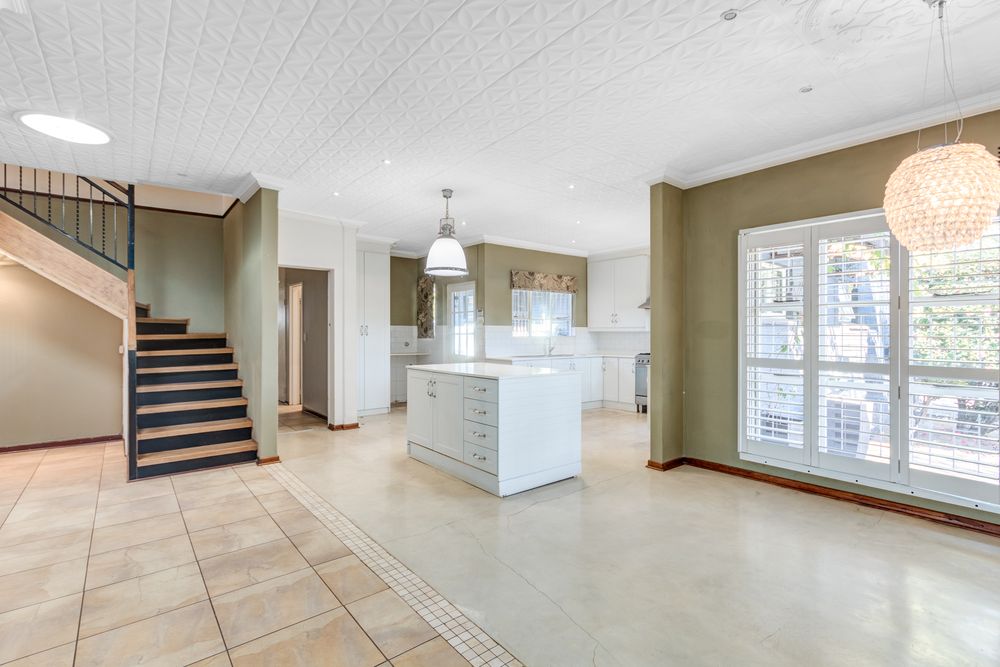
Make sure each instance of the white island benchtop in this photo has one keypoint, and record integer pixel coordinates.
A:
(505, 429)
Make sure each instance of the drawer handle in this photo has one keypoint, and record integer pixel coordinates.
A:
(481, 390)
(478, 457)
(477, 434)
(478, 411)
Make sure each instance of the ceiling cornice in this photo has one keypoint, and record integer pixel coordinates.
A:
(525, 245)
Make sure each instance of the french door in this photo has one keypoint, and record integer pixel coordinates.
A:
(863, 362)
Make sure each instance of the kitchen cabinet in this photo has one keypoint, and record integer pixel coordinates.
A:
(615, 288)
(609, 391)
(626, 381)
(502, 428)
(374, 396)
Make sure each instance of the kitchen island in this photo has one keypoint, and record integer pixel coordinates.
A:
(505, 429)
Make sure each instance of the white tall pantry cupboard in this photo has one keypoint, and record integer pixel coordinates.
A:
(373, 329)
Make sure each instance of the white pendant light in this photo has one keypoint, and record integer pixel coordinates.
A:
(446, 256)
(946, 196)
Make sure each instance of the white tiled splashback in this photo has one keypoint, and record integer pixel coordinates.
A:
(499, 341)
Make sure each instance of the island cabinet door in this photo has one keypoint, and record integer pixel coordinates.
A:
(448, 421)
(419, 409)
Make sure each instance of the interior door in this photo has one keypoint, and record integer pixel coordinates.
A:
(419, 408)
(448, 422)
(631, 288)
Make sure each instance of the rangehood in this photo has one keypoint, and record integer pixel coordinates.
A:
(645, 304)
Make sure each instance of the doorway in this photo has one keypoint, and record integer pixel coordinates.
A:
(303, 347)
(295, 344)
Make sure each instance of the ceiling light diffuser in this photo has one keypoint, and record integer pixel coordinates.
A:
(67, 129)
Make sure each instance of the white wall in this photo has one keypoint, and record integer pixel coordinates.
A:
(311, 242)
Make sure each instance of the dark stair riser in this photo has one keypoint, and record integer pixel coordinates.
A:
(191, 416)
(196, 464)
(143, 328)
(193, 440)
(158, 397)
(185, 376)
(141, 312)
(185, 360)
(179, 343)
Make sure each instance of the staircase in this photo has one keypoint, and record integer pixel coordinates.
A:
(190, 409)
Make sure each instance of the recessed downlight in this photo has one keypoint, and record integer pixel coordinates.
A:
(336, 194)
(730, 14)
(572, 187)
(67, 129)
(578, 222)
(387, 161)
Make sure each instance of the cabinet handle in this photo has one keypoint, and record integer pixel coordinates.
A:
(481, 390)
(477, 434)
(478, 411)
(478, 457)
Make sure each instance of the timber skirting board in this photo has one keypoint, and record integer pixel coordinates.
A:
(343, 427)
(936, 516)
(268, 460)
(61, 443)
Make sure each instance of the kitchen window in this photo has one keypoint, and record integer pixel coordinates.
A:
(462, 302)
(866, 363)
(541, 314)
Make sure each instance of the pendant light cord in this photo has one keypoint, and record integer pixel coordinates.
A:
(947, 61)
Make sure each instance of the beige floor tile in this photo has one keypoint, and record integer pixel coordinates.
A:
(217, 660)
(134, 510)
(201, 518)
(41, 584)
(29, 555)
(226, 494)
(252, 471)
(296, 521)
(257, 610)
(121, 564)
(350, 579)
(262, 486)
(140, 598)
(56, 490)
(178, 637)
(43, 509)
(280, 501)
(60, 656)
(203, 479)
(391, 623)
(333, 639)
(121, 535)
(147, 488)
(234, 536)
(251, 565)
(320, 546)
(435, 653)
(70, 521)
(39, 627)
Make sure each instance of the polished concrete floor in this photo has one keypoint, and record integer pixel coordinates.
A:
(209, 568)
(629, 566)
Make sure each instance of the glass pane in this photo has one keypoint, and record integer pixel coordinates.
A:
(854, 415)
(774, 406)
(854, 296)
(774, 292)
(954, 427)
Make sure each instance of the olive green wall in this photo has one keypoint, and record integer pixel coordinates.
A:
(501, 260)
(403, 274)
(842, 181)
(60, 368)
(178, 267)
(250, 242)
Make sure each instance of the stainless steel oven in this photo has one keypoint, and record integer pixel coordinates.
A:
(642, 381)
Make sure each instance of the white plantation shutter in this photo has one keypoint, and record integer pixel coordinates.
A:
(865, 363)
(953, 357)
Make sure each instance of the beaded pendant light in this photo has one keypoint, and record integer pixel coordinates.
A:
(945, 196)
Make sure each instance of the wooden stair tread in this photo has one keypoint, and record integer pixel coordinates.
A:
(191, 405)
(163, 320)
(192, 351)
(188, 386)
(179, 336)
(142, 305)
(200, 452)
(187, 369)
(197, 427)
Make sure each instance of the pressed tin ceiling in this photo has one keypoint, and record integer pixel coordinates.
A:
(509, 102)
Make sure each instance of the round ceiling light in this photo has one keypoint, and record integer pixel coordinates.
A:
(729, 14)
(67, 129)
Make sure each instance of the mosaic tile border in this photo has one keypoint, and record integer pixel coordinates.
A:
(465, 636)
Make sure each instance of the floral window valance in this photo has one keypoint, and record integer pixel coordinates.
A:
(542, 282)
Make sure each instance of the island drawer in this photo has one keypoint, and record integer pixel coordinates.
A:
(480, 457)
(481, 411)
(481, 390)
(481, 434)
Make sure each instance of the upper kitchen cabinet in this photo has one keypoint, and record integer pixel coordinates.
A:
(615, 288)
(373, 345)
